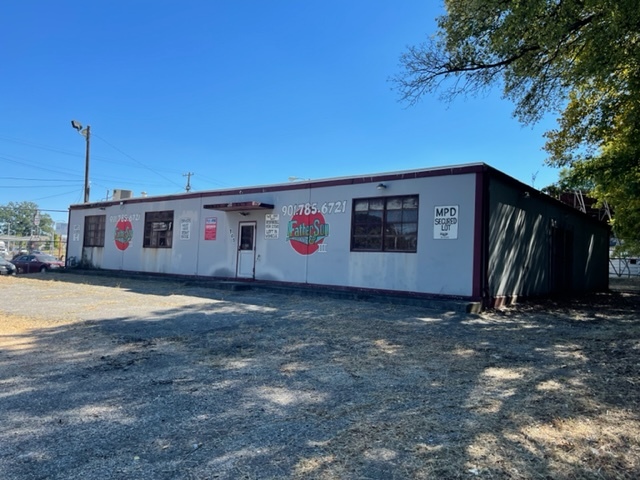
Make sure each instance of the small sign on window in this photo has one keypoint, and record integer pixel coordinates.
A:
(160, 226)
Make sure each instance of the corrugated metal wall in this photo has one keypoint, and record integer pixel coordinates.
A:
(538, 246)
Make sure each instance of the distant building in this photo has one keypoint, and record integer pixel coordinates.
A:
(61, 228)
(466, 231)
(586, 204)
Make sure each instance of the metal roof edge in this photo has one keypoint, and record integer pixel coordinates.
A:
(327, 182)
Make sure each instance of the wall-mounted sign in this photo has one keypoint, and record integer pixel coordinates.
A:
(134, 217)
(123, 234)
(185, 229)
(271, 226)
(306, 233)
(327, 208)
(445, 222)
(210, 228)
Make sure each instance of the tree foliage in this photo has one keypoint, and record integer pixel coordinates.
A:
(18, 218)
(578, 58)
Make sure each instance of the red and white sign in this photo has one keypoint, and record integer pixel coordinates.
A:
(210, 228)
(306, 233)
(124, 234)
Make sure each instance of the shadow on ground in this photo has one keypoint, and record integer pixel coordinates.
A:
(194, 383)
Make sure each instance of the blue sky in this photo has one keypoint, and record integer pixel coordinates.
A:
(237, 92)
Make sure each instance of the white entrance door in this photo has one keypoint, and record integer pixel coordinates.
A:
(246, 250)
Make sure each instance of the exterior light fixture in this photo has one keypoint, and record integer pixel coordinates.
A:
(381, 186)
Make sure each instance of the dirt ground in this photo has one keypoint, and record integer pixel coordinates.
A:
(111, 378)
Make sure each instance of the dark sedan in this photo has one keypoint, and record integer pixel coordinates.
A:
(7, 268)
(38, 262)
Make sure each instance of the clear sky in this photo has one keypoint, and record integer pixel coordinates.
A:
(236, 92)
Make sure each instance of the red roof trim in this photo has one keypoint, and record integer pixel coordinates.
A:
(239, 206)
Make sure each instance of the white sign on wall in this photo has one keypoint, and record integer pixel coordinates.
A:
(445, 222)
(185, 229)
(271, 226)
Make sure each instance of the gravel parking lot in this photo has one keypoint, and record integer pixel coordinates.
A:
(116, 378)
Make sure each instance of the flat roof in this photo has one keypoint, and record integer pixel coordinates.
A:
(301, 184)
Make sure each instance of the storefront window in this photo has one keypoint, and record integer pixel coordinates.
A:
(385, 224)
(158, 229)
(94, 230)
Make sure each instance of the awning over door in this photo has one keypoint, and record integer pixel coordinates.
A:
(239, 206)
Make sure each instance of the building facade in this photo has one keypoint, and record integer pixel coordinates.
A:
(465, 231)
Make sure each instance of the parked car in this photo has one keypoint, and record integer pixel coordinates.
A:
(7, 268)
(36, 263)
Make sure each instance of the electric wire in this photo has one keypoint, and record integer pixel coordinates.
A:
(95, 157)
(137, 161)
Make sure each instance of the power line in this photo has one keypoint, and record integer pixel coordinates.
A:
(34, 186)
(38, 167)
(35, 179)
(57, 150)
(4, 207)
(59, 195)
(38, 145)
(214, 182)
(137, 161)
(34, 165)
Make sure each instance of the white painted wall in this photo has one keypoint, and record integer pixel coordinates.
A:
(438, 266)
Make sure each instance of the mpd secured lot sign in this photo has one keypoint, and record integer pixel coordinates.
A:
(445, 222)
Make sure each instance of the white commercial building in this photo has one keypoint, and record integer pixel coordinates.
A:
(465, 231)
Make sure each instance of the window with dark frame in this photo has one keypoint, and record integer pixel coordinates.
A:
(385, 224)
(158, 229)
(94, 230)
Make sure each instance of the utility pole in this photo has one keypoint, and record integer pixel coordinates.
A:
(188, 175)
(86, 165)
(86, 133)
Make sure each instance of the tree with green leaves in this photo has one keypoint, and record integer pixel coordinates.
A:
(18, 219)
(577, 58)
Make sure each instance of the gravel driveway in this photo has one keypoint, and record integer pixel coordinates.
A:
(112, 378)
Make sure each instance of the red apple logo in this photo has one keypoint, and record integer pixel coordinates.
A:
(124, 234)
(305, 233)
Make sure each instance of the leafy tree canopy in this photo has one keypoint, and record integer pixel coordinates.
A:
(578, 58)
(18, 217)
